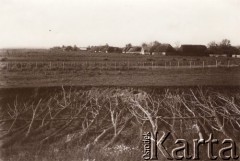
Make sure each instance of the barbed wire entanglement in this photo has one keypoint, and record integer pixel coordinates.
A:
(107, 116)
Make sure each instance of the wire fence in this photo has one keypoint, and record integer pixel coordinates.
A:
(123, 65)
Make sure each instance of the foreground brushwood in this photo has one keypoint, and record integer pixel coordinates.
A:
(105, 123)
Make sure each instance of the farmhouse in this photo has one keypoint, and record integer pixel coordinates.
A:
(125, 49)
(135, 50)
(111, 49)
(193, 50)
(146, 50)
(105, 49)
(163, 49)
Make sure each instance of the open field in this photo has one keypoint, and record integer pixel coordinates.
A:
(29, 69)
(163, 77)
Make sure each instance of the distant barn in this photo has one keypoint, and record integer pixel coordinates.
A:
(193, 50)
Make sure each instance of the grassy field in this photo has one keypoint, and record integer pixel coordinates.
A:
(88, 56)
(163, 77)
(36, 69)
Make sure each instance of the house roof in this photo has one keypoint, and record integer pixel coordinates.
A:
(164, 48)
(238, 47)
(193, 48)
(111, 49)
(125, 49)
(135, 49)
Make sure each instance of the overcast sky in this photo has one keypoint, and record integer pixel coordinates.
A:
(47, 23)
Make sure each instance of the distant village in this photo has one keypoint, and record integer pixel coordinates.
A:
(213, 49)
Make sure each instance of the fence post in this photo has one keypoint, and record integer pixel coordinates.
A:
(50, 65)
(228, 63)
(216, 63)
(152, 64)
(203, 64)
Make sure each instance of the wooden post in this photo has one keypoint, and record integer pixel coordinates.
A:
(216, 63)
(228, 63)
(128, 65)
(50, 65)
(203, 64)
(152, 64)
(7, 65)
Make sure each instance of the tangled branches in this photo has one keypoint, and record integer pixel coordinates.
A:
(108, 116)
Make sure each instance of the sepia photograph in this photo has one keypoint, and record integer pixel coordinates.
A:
(119, 80)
